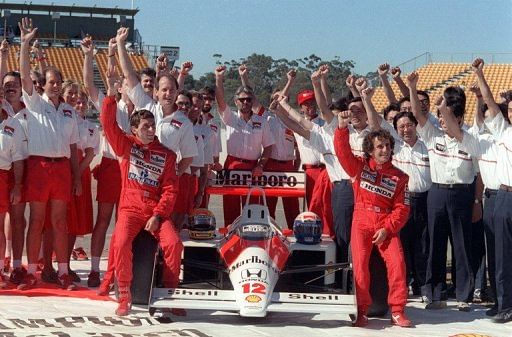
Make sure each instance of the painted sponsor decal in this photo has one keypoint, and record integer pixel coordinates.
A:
(254, 288)
(253, 259)
(369, 175)
(8, 131)
(253, 273)
(157, 158)
(91, 132)
(213, 127)
(440, 147)
(176, 123)
(256, 125)
(389, 182)
(464, 153)
(376, 189)
(426, 159)
(313, 297)
(268, 179)
(407, 197)
(255, 228)
(143, 176)
(142, 164)
(194, 292)
(137, 152)
(253, 299)
(67, 113)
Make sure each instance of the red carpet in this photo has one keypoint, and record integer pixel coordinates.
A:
(46, 289)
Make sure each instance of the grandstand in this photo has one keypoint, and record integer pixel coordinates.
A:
(434, 77)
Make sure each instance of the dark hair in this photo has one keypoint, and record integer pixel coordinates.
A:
(503, 108)
(13, 74)
(244, 89)
(402, 100)
(389, 108)
(170, 77)
(340, 104)
(138, 115)
(207, 91)
(53, 70)
(508, 96)
(354, 100)
(380, 134)
(456, 99)
(424, 93)
(185, 93)
(403, 114)
(148, 72)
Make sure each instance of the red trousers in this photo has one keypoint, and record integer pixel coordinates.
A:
(232, 203)
(392, 254)
(80, 207)
(183, 200)
(321, 202)
(312, 174)
(290, 204)
(108, 175)
(127, 227)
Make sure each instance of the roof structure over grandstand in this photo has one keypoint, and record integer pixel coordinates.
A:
(28, 8)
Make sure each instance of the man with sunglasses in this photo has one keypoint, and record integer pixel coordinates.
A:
(248, 138)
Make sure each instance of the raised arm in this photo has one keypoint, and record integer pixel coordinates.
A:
(350, 163)
(4, 55)
(452, 126)
(220, 71)
(412, 81)
(351, 84)
(383, 71)
(396, 72)
(27, 33)
(161, 64)
(88, 50)
(374, 119)
(280, 112)
(324, 71)
(478, 68)
(295, 116)
(316, 79)
(124, 60)
(290, 75)
(479, 115)
(186, 67)
(243, 71)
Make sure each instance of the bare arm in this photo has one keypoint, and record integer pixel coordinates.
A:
(295, 116)
(324, 71)
(86, 161)
(88, 50)
(450, 121)
(186, 67)
(75, 170)
(290, 124)
(316, 79)
(219, 88)
(383, 71)
(27, 33)
(396, 71)
(478, 68)
(4, 55)
(183, 164)
(124, 60)
(243, 71)
(374, 119)
(351, 84)
(291, 78)
(412, 80)
(479, 115)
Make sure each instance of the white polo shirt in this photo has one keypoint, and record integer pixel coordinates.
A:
(141, 100)
(198, 160)
(206, 134)
(123, 121)
(451, 161)
(176, 133)
(308, 154)
(323, 142)
(414, 161)
(13, 142)
(50, 130)
(246, 140)
(89, 135)
(502, 131)
(284, 148)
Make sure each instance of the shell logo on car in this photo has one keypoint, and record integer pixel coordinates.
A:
(253, 299)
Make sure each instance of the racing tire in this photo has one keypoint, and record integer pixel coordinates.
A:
(144, 248)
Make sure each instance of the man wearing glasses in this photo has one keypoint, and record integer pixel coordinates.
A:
(246, 135)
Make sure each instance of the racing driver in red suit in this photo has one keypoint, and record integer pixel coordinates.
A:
(148, 194)
(381, 209)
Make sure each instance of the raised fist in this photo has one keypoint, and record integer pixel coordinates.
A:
(243, 70)
(220, 71)
(412, 79)
(396, 72)
(383, 69)
(324, 69)
(367, 93)
(477, 65)
(361, 84)
(344, 118)
(291, 74)
(350, 81)
(186, 67)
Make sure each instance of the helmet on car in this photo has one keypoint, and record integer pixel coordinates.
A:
(201, 224)
(307, 228)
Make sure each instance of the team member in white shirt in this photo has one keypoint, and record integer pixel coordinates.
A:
(450, 199)
(502, 217)
(248, 139)
(12, 153)
(53, 135)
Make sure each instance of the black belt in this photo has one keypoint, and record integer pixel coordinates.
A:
(342, 182)
(48, 159)
(312, 166)
(488, 192)
(451, 186)
(281, 161)
(506, 188)
(418, 194)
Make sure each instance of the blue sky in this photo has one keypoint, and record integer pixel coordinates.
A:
(368, 32)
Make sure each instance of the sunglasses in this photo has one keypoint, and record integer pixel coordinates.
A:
(245, 100)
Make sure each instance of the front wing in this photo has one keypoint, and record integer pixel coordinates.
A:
(224, 300)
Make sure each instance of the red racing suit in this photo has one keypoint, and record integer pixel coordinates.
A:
(381, 200)
(149, 187)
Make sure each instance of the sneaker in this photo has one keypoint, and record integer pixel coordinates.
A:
(93, 280)
(477, 296)
(79, 254)
(66, 282)
(435, 305)
(399, 318)
(361, 321)
(7, 264)
(17, 275)
(503, 317)
(492, 311)
(125, 301)
(105, 288)
(49, 275)
(425, 299)
(463, 306)
(74, 276)
(29, 281)
(3, 280)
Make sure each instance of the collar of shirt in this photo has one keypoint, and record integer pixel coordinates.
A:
(375, 166)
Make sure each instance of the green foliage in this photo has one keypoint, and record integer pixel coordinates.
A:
(267, 75)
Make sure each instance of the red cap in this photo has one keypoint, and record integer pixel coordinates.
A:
(304, 96)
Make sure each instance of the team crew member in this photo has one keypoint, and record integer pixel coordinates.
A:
(450, 200)
(381, 209)
(502, 217)
(248, 139)
(52, 135)
(12, 153)
(149, 191)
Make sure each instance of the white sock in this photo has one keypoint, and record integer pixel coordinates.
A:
(8, 248)
(62, 268)
(32, 268)
(95, 263)
(16, 263)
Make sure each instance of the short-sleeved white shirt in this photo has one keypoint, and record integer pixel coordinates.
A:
(89, 135)
(198, 160)
(176, 133)
(502, 131)
(206, 134)
(12, 142)
(284, 148)
(323, 142)
(414, 161)
(308, 154)
(141, 100)
(451, 161)
(246, 140)
(50, 130)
